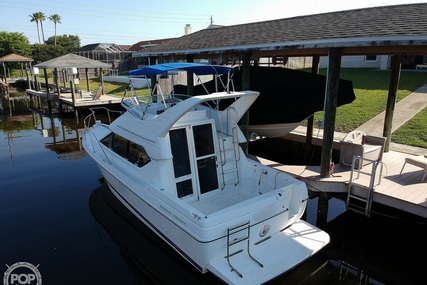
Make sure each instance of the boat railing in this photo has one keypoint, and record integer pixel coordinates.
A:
(94, 140)
(107, 116)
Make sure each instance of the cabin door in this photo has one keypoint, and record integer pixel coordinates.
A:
(194, 160)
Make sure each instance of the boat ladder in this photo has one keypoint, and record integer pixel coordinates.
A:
(360, 195)
(236, 235)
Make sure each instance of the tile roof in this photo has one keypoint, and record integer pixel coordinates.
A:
(387, 25)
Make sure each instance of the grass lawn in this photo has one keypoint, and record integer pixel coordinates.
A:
(371, 89)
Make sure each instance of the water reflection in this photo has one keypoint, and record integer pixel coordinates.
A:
(65, 133)
(150, 259)
(383, 249)
(53, 199)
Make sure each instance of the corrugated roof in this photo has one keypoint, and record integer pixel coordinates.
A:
(13, 57)
(72, 60)
(388, 25)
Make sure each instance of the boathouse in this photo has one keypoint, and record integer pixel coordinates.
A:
(398, 32)
(70, 67)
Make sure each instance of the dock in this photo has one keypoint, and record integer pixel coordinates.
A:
(82, 99)
(404, 191)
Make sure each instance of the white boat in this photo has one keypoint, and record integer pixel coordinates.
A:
(137, 83)
(177, 165)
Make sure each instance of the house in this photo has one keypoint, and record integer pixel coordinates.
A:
(114, 54)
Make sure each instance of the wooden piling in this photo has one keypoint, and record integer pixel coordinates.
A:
(330, 110)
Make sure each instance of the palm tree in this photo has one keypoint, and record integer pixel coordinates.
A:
(56, 19)
(42, 17)
(35, 18)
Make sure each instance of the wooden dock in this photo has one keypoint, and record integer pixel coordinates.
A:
(404, 191)
(81, 100)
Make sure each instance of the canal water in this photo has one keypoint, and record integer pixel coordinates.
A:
(57, 215)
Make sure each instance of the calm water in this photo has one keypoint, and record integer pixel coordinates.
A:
(55, 213)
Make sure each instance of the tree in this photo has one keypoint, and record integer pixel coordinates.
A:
(42, 18)
(69, 42)
(14, 43)
(56, 19)
(41, 53)
(35, 18)
(39, 17)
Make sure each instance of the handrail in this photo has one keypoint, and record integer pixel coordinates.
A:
(98, 142)
(87, 126)
(275, 178)
(92, 115)
(373, 173)
(370, 189)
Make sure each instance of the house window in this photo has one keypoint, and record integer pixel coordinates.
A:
(371, 58)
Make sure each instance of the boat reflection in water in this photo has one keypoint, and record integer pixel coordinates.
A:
(150, 258)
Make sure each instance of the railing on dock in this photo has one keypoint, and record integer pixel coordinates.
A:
(362, 202)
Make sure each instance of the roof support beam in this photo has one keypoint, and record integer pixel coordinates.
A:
(310, 121)
(190, 77)
(246, 84)
(330, 109)
(396, 63)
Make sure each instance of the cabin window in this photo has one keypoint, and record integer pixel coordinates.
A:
(206, 159)
(179, 147)
(206, 168)
(133, 152)
(184, 188)
(203, 141)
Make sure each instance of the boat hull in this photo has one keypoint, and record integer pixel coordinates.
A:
(278, 253)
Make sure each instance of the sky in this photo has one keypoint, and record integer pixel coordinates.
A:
(128, 22)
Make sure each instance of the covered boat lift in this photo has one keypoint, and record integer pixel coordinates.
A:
(398, 31)
(73, 62)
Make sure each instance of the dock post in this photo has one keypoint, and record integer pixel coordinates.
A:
(310, 121)
(49, 102)
(396, 65)
(330, 109)
(322, 209)
(87, 79)
(73, 97)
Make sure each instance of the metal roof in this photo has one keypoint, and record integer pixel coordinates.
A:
(104, 47)
(385, 27)
(72, 60)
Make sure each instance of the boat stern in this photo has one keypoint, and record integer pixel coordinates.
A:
(272, 256)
